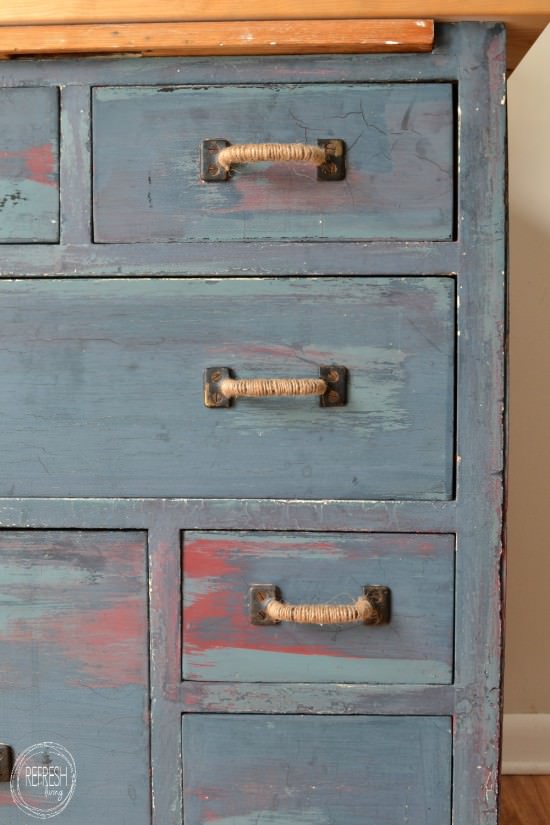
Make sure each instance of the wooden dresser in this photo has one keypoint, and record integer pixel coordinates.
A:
(157, 528)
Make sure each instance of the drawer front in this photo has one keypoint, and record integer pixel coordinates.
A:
(74, 669)
(220, 642)
(399, 163)
(300, 770)
(103, 388)
(29, 165)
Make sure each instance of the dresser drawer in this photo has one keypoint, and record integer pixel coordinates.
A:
(74, 670)
(300, 770)
(103, 388)
(398, 163)
(29, 165)
(221, 642)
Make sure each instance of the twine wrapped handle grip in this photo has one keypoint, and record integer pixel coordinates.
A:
(258, 152)
(266, 387)
(267, 607)
(360, 611)
(218, 156)
(220, 387)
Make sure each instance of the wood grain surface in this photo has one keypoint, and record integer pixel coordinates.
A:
(525, 800)
(524, 21)
(79, 11)
(228, 37)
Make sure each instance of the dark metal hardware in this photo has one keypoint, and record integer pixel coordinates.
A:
(333, 169)
(6, 762)
(334, 376)
(211, 172)
(259, 595)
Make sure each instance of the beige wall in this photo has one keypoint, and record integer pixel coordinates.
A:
(527, 674)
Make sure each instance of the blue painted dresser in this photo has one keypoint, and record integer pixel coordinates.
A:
(151, 523)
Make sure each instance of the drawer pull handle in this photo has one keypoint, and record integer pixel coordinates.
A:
(220, 387)
(267, 607)
(6, 762)
(218, 156)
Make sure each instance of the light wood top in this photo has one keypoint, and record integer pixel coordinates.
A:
(140, 11)
(221, 38)
(525, 20)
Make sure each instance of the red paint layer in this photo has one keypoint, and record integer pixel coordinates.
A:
(113, 640)
(6, 799)
(203, 558)
(217, 573)
(40, 164)
(218, 620)
(100, 648)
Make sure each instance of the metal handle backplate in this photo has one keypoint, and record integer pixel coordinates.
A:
(6, 762)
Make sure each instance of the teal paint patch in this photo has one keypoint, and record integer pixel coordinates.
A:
(314, 816)
(74, 663)
(234, 664)
(29, 165)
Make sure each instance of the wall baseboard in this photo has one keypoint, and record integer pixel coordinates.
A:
(526, 743)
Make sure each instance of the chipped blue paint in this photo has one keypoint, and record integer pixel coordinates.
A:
(104, 391)
(390, 771)
(220, 643)
(29, 165)
(399, 160)
(74, 665)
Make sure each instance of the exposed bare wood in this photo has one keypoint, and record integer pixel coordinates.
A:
(252, 37)
(525, 800)
(268, 36)
(522, 31)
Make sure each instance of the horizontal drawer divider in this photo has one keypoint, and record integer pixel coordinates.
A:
(223, 697)
(229, 514)
(319, 69)
(233, 258)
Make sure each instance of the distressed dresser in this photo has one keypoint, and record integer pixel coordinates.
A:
(231, 608)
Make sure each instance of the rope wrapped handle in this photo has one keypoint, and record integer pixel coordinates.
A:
(361, 611)
(219, 156)
(221, 388)
(258, 152)
(268, 607)
(266, 387)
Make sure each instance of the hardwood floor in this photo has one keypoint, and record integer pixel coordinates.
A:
(525, 800)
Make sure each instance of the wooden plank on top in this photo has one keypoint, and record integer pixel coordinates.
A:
(229, 37)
